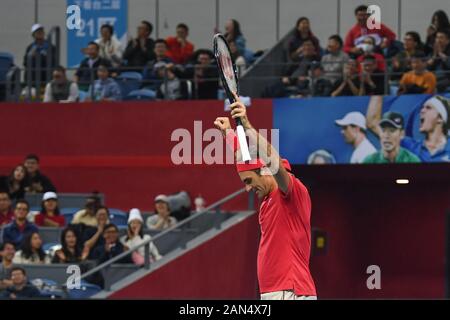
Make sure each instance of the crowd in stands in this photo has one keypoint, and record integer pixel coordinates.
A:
(89, 239)
(169, 69)
(172, 68)
(367, 61)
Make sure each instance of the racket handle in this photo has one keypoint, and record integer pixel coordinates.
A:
(243, 142)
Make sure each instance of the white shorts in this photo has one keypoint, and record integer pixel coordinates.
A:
(285, 295)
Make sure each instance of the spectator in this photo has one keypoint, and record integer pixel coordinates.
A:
(369, 49)
(105, 88)
(112, 246)
(87, 216)
(439, 22)
(172, 88)
(356, 35)
(16, 183)
(150, 73)
(50, 215)
(401, 62)
(20, 288)
(440, 61)
(87, 71)
(20, 227)
(161, 219)
(205, 76)
(92, 236)
(372, 79)
(238, 59)
(319, 85)
(110, 47)
(419, 80)
(6, 214)
(7, 252)
(320, 157)
(391, 128)
(179, 48)
(302, 32)
(60, 89)
(70, 251)
(353, 128)
(135, 236)
(39, 50)
(349, 84)
(233, 33)
(333, 62)
(139, 51)
(39, 183)
(31, 252)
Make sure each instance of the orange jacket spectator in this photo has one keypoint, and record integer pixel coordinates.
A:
(179, 49)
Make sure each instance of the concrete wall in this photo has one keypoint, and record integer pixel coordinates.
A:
(258, 18)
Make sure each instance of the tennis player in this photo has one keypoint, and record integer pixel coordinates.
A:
(284, 215)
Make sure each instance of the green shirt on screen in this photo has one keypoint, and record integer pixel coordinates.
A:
(403, 156)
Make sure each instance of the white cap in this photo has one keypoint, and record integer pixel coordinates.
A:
(162, 197)
(49, 195)
(353, 118)
(135, 214)
(36, 27)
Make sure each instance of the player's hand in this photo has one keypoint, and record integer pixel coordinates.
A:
(223, 124)
(238, 110)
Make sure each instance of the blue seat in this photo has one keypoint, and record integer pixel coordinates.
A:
(6, 62)
(47, 288)
(68, 214)
(118, 217)
(142, 94)
(129, 81)
(85, 291)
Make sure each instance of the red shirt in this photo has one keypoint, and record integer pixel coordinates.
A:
(39, 219)
(5, 219)
(353, 37)
(178, 53)
(285, 245)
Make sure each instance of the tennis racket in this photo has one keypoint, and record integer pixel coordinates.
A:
(228, 76)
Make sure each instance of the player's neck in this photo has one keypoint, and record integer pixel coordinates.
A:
(359, 139)
(435, 139)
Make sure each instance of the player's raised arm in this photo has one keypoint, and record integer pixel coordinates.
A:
(266, 151)
(373, 115)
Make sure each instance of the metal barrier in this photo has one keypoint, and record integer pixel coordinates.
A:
(184, 238)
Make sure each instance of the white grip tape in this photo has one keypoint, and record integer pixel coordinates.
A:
(243, 143)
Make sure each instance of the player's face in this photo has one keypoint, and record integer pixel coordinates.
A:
(254, 182)
(429, 119)
(390, 138)
(349, 133)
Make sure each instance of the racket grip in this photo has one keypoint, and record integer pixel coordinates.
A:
(243, 142)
